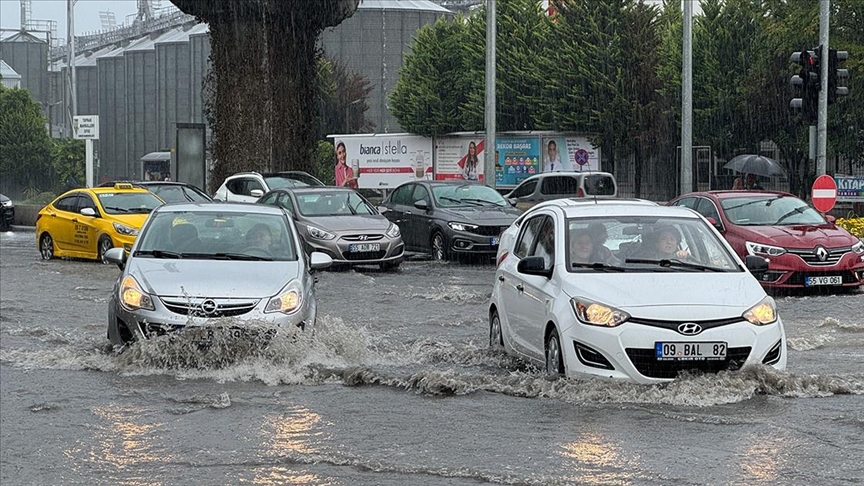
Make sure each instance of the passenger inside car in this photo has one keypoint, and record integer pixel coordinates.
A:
(184, 238)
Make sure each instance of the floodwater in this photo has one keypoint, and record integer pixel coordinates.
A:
(397, 387)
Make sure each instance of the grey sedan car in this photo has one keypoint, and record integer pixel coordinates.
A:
(449, 218)
(342, 224)
(213, 265)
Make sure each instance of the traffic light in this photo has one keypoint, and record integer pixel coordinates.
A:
(809, 81)
(836, 74)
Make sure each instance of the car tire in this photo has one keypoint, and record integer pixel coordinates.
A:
(104, 245)
(46, 246)
(554, 355)
(496, 336)
(438, 246)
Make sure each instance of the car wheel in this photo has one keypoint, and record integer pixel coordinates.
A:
(46, 247)
(554, 356)
(439, 246)
(105, 244)
(496, 339)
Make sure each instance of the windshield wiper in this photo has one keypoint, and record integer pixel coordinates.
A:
(348, 203)
(795, 211)
(481, 201)
(451, 199)
(675, 263)
(600, 266)
(159, 253)
(768, 202)
(115, 208)
(237, 256)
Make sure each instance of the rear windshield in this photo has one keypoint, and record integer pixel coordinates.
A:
(599, 185)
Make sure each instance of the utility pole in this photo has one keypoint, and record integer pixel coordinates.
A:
(822, 138)
(686, 184)
(70, 38)
(489, 149)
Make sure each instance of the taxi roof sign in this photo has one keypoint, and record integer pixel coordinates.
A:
(123, 185)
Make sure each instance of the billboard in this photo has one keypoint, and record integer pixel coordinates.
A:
(569, 153)
(384, 161)
(850, 188)
(459, 158)
(517, 159)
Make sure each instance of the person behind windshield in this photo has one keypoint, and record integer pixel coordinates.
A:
(546, 246)
(663, 244)
(259, 236)
(585, 248)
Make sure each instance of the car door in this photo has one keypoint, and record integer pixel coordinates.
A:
(396, 206)
(420, 221)
(524, 194)
(86, 227)
(539, 292)
(61, 227)
(514, 311)
(240, 189)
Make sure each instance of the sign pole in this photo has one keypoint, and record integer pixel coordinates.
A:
(88, 148)
(489, 149)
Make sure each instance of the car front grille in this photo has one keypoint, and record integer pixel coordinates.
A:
(645, 361)
(209, 307)
(363, 237)
(488, 230)
(810, 256)
(364, 255)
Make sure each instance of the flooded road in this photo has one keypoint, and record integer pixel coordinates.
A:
(397, 387)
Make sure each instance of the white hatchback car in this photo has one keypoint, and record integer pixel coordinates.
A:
(629, 291)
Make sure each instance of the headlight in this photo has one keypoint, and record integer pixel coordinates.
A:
(763, 313)
(858, 247)
(132, 296)
(393, 231)
(596, 314)
(462, 226)
(7, 203)
(125, 230)
(760, 249)
(286, 301)
(319, 234)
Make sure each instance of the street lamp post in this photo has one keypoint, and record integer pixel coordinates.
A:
(347, 120)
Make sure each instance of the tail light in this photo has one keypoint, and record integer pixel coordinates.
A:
(38, 216)
(501, 258)
(580, 193)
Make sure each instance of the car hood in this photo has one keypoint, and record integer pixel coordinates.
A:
(131, 220)
(799, 236)
(212, 278)
(485, 215)
(697, 296)
(359, 222)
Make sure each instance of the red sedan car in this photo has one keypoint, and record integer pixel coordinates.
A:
(802, 247)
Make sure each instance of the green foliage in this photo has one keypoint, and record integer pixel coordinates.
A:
(35, 196)
(25, 148)
(68, 158)
(324, 160)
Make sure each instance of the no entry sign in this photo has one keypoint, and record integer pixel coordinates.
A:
(824, 193)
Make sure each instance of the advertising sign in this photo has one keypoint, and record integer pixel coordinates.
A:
(850, 188)
(459, 158)
(517, 159)
(569, 153)
(384, 161)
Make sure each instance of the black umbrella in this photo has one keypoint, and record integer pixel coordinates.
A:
(755, 164)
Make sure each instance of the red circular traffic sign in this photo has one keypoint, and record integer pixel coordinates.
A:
(824, 193)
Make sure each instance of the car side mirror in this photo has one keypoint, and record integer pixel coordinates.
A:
(512, 201)
(319, 260)
(256, 193)
(421, 205)
(830, 219)
(88, 212)
(534, 265)
(757, 265)
(715, 223)
(116, 256)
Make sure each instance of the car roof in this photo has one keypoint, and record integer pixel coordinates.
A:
(111, 189)
(227, 207)
(629, 210)
(568, 173)
(722, 194)
(313, 189)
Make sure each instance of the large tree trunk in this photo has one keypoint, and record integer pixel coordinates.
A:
(263, 54)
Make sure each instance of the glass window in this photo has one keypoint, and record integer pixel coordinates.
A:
(402, 195)
(332, 203)
(85, 201)
(174, 193)
(285, 201)
(687, 202)
(466, 195)
(599, 185)
(769, 210)
(276, 182)
(269, 199)
(525, 189)
(545, 244)
(67, 203)
(529, 233)
(128, 202)
(706, 208)
(559, 185)
(420, 194)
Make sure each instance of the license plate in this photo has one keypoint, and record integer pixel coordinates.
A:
(677, 351)
(833, 280)
(494, 240)
(354, 248)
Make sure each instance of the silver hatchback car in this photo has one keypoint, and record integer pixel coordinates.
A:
(218, 265)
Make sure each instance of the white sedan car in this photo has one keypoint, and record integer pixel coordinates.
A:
(630, 291)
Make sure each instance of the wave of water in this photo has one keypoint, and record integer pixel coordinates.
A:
(831, 323)
(810, 343)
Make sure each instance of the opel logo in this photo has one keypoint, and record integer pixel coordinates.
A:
(208, 307)
(821, 253)
(689, 329)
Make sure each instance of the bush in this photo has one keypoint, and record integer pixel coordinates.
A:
(852, 225)
(324, 161)
(39, 198)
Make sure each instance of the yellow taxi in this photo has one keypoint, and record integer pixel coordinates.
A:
(85, 223)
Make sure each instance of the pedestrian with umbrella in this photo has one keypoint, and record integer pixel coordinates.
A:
(754, 165)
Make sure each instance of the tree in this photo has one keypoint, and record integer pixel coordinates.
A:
(25, 148)
(263, 53)
(68, 160)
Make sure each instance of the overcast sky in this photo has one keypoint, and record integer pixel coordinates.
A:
(86, 13)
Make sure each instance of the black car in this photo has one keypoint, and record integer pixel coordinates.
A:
(169, 191)
(7, 213)
(448, 219)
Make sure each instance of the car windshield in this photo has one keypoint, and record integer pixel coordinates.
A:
(645, 244)
(452, 195)
(177, 193)
(770, 211)
(217, 236)
(332, 203)
(128, 202)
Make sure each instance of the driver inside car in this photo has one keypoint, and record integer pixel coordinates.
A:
(259, 236)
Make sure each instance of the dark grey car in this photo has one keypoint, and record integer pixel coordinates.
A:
(341, 223)
(449, 218)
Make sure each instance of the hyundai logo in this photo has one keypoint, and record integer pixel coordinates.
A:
(363, 237)
(208, 307)
(689, 329)
(821, 253)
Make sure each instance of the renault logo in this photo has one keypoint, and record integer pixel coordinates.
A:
(689, 329)
(821, 253)
(208, 307)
